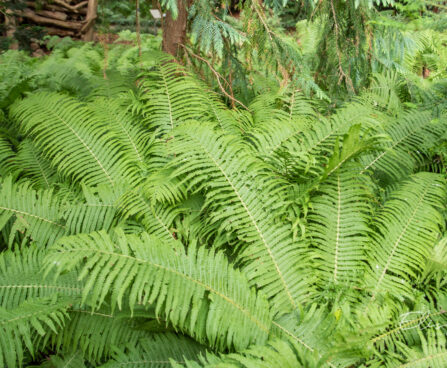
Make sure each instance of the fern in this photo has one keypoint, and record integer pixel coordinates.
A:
(157, 351)
(143, 264)
(35, 166)
(19, 325)
(209, 160)
(339, 228)
(76, 143)
(37, 212)
(407, 227)
(21, 278)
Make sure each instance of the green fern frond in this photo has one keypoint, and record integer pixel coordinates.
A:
(407, 228)
(18, 327)
(32, 162)
(433, 353)
(197, 292)
(410, 137)
(135, 140)
(338, 227)
(165, 88)
(6, 157)
(95, 334)
(63, 360)
(95, 209)
(78, 144)
(22, 278)
(157, 351)
(241, 198)
(277, 353)
(34, 212)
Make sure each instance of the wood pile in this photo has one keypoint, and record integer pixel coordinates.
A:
(73, 18)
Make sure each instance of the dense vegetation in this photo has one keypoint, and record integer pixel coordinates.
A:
(256, 202)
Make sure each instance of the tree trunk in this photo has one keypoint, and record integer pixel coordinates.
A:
(174, 30)
(138, 25)
(11, 26)
(92, 14)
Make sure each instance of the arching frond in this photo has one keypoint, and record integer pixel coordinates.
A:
(238, 193)
(201, 293)
(165, 90)
(95, 334)
(277, 353)
(64, 360)
(338, 226)
(32, 162)
(157, 351)
(77, 143)
(433, 353)
(21, 278)
(136, 142)
(34, 212)
(410, 136)
(407, 228)
(6, 157)
(19, 325)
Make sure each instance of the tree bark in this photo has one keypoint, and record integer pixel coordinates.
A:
(138, 26)
(11, 26)
(174, 30)
(52, 14)
(92, 14)
(27, 13)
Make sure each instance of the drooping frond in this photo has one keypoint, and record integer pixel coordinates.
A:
(308, 329)
(338, 227)
(64, 360)
(277, 353)
(407, 228)
(242, 199)
(300, 149)
(165, 89)
(34, 212)
(201, 293)
(19, 325)
(95, 211)
(45, 216)
(22, 278)
(6, 156)
(77, 143)
(433, 353)
(135, 140)
(95, 334)
(157, 351)
(32, 162)
(410, 136)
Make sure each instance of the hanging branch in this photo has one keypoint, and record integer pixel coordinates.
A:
(218, 77)
(337, 49)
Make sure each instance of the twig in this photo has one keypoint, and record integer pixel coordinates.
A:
(340, 67)
(218, 77)
(269, 32)
(73, 8)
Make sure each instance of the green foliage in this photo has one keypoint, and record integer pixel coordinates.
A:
(147, 220)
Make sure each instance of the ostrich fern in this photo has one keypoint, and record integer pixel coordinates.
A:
(158, 227)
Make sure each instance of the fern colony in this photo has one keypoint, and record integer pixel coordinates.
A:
(144, 223)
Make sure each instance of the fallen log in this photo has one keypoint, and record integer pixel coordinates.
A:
(52, 14)
(73, 8)
(29, 14)
(59, 32)
(52, 7)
